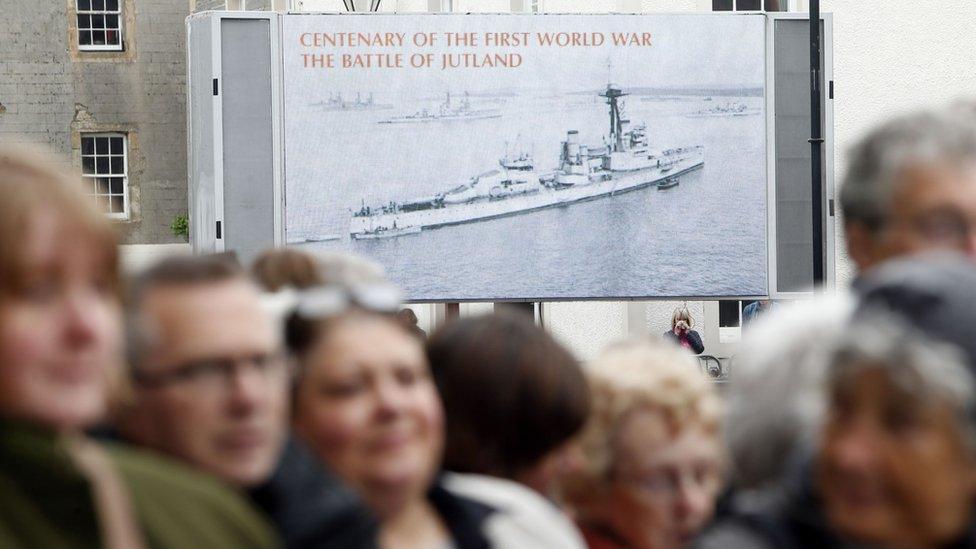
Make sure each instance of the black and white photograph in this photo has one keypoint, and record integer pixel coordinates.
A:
(533, 157)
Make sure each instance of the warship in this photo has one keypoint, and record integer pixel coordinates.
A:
(337, 103)
(446, 112)
(726, 109)
(624, 162)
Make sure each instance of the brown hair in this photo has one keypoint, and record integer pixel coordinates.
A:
(31, 185)
(511, 393)
(280, 267)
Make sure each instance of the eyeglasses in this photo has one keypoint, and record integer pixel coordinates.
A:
(328, 301)
(944, 228)
(215, 374)
(666, 482)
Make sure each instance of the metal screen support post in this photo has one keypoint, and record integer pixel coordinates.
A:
(816, 145)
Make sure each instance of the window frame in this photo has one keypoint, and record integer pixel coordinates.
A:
(787, 4)
(78, 12)
(93, 177)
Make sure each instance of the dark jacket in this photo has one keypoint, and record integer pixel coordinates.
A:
(697, 346)
(465, 518)
(311, 508)
(791, 518)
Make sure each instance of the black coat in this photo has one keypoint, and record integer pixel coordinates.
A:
(696, 341)
(311, 508)
(792, 519)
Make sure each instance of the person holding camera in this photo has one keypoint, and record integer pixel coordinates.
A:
(681, 332)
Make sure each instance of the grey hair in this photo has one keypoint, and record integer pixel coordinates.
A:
(928, 371)
(141, 333)
(775, 399)
(917, 139)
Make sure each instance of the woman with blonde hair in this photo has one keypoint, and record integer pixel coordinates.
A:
(60, 342)
(654, 463)
(681, 332)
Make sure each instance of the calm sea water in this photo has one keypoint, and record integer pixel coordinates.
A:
(706, 237)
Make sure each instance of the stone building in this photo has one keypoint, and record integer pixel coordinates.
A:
(103, 82)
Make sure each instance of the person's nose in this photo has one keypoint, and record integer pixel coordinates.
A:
(854, 448)
(82, 319)
(247, 387)
(390, 398)
(691, 502)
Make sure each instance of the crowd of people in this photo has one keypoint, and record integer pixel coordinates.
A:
(297, 404)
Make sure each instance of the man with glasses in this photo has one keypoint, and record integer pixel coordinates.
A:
(911, 187)
(210, 386)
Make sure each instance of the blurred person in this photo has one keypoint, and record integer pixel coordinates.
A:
(775, 403)
(60, 345)
(280, 268)
(681, 332)
(774, 398)
(894, 466)
(933, 292)
(654, 463)
(910, 187)
(408, 318)
(513, 397)
(756, 309)
(210, 386)
(366, 402)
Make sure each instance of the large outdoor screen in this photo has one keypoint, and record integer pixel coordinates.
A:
(494, 157)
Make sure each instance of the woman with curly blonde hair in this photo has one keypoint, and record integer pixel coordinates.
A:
(654, 463)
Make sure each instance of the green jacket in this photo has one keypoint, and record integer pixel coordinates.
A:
(46, 502)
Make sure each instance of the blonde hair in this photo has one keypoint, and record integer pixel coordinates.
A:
(639, 375)
(681, 313)
(30, 185)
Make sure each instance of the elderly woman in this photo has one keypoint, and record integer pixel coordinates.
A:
(368, 406)
(681, 333)
(896, 463)
(60, 342)
(654, 460)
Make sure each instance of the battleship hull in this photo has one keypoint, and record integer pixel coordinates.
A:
(546, 197)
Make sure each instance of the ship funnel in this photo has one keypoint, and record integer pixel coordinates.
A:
(572, 144)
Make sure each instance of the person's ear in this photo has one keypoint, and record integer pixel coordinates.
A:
(862, 244)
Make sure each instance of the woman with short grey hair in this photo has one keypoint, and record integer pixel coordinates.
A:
(894, 464)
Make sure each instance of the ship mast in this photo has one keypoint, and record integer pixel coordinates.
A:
(612, 94)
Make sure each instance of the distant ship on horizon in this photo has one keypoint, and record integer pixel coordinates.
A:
(446, 111)
(337, 103)
(730, 108)
(623, 163)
